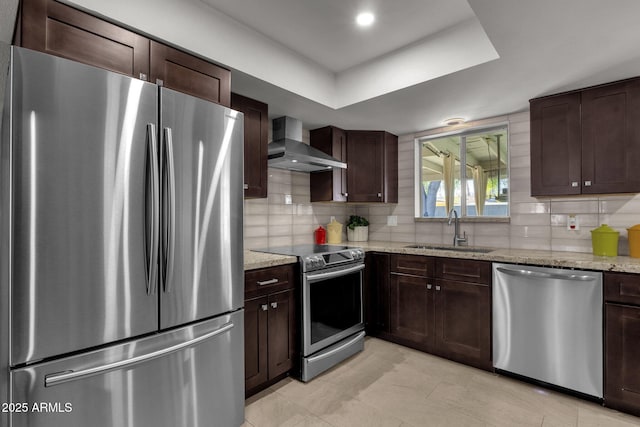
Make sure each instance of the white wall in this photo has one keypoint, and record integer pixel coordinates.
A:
(536, 223)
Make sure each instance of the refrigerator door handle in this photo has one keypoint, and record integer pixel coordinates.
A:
(57, 378)
(171, 196)
(153, 248)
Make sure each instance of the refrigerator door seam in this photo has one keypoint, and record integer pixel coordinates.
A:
(66, 376)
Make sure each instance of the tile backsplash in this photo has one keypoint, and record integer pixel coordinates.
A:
(536, 223)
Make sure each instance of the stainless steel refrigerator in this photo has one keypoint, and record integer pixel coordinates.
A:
(121, 277)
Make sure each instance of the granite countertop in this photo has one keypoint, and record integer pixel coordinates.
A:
(254, 260)
(579, 260)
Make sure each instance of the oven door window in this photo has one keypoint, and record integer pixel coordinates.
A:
(335, 306)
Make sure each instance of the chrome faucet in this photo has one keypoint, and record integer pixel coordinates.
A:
(457, 240)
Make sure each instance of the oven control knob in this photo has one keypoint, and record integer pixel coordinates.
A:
(357, 254)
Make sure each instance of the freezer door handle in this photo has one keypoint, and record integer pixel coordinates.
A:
(171, 198)
(66, 376)
(543, 275)
(153, 206)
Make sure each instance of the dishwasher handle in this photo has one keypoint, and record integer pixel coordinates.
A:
(542, 275)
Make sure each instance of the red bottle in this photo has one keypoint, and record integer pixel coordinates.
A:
(320, 235)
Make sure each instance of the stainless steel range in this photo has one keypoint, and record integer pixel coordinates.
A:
(332, 313)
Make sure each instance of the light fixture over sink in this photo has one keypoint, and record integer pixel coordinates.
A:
(454, 121)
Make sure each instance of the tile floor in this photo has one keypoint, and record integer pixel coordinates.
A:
(391, 385)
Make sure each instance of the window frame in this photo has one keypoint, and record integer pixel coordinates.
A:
(461, 131)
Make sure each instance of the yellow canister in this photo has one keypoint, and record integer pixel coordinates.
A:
(334, 232)
(604, 240)
(634, 241)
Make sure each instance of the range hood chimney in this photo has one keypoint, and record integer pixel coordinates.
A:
(287, 151)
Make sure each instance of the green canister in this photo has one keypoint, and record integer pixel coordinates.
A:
(604, 240)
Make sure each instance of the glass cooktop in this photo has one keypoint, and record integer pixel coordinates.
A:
(304, 250)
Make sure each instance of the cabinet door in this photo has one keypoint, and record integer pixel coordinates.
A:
(463, 322)
(281, 333)
(191, 75)
(256, 127)
(555, 145)
(611, 138)
(330, 185)
(376, 293)
(365, 157)
(57, 29)
(466, 270)
(255, 342)
(412, 310)
(390, 168)
(622, 343)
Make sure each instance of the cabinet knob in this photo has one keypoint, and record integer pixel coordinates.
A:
(574, 183)
(379, 195)
(345, 194)
(429, 286)
(143, 76)
(587, 183)
(437, 288)
(274, 305)
(264, 307)
(246, 186)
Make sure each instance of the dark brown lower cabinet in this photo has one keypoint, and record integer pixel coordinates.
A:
(463, 322)
(622, 342)
(439, 305)
(255, 343)
(269, 337)
(412, 310)
(376, 293)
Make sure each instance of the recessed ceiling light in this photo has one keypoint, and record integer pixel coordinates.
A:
(365, 19)
(454, 121)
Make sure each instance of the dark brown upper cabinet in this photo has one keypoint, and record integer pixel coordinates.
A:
(330, 185)
(611, 138)
(186, 73)
(256, 129)
(556, 146)
(54, 28)
(372, 166)
(57, 29)
(587, 141)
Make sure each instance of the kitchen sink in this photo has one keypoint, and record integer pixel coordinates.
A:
(452, 248)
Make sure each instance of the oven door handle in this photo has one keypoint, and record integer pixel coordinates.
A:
(331, 352)
(314, 277)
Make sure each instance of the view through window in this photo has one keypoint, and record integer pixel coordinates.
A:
(480, 188)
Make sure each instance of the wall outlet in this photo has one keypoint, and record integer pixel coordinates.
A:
(392, 220)
(287, 199)
(572, 223)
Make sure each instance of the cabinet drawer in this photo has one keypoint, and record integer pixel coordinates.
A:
(622, 288)
(415, 265)
(465, 270)
(268, 280)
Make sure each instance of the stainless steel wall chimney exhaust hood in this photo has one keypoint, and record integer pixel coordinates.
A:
(287, 151)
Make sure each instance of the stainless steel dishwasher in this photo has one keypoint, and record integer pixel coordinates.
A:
(547, 325)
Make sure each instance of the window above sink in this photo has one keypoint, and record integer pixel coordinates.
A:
(465, 170)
